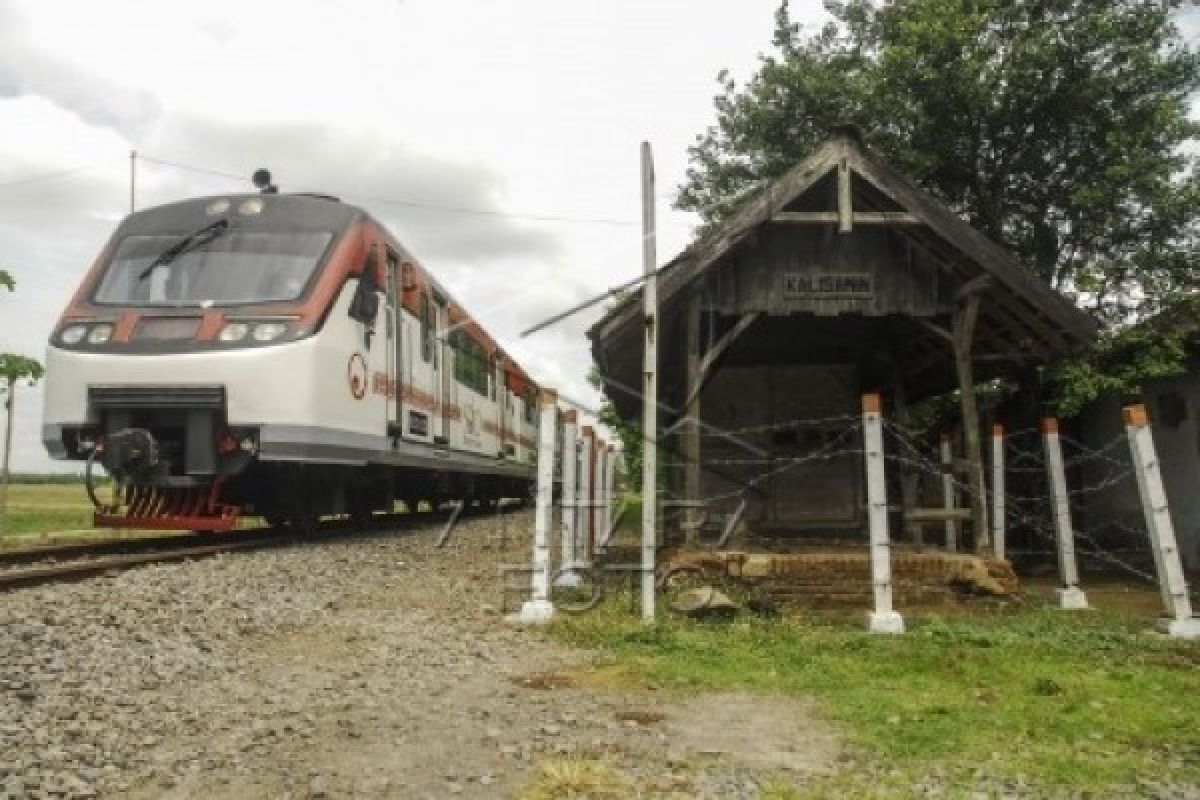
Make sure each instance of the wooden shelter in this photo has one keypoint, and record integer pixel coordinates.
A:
(840, 277)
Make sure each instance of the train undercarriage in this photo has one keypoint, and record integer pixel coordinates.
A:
(175, 465)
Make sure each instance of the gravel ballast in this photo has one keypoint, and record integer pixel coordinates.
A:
(373, 666)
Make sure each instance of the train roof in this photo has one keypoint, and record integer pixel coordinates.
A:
(298, 211)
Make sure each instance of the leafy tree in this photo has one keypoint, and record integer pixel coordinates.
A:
(1058, 127)
(630, 432)
(14, 368)
(7, 281)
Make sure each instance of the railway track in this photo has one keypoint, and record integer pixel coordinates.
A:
(63, 563)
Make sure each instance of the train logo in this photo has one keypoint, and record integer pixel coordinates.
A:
(356, 375)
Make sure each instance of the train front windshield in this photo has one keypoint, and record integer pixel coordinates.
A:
(230, 269)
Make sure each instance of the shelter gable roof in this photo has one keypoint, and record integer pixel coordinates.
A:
(988, 257)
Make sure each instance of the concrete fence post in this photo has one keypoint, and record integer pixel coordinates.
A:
(539, 608)
(884, 619)
(586, 537)
(1172, 582)
(604, 515)
(949, 491)
(567, 576)
(998, 490)
(1070, 596)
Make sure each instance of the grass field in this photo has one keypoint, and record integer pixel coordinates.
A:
(1090, 701)
(35, 509)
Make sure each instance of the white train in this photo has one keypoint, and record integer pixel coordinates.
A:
(280, 355)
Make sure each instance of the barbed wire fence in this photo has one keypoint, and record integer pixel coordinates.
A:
(747, 468)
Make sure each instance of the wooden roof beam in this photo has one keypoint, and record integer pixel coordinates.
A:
(857, 218)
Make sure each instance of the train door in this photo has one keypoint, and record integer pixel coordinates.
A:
(394, 349)
(443, 371)
(500, 406)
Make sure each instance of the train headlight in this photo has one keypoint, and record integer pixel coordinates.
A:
(100, 334)
(233, 332)
(268, 331)
(72, 334)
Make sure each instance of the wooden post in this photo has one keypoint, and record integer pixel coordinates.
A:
(966, 314)
(1070, 596)
(567, 575)
(585, 533)
(539, 608)
(949, 491)
(998, 490)
(884, 619)
(845, 198)
(1172, 582)
(690, 427)
(649, 387)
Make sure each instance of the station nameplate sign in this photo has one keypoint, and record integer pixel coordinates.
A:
(828, 293)
(828, 284)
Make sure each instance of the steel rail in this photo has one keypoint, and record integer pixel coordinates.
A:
(89, 560)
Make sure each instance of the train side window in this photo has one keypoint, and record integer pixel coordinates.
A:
(426, 329)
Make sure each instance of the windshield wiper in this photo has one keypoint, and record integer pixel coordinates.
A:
(192, 240)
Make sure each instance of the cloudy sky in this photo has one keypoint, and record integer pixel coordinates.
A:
(528, 109)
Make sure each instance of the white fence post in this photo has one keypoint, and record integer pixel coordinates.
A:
(567, 576)
(1171, 581)
(1070, 596)
(884, 619)
(998, 490)
(949, 492)
(587, 498)
(604, 496)
(539, 608)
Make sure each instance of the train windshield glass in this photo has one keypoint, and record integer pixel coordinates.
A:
(235, 268)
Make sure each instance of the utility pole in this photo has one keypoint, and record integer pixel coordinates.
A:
(649, 388)
(132, 179)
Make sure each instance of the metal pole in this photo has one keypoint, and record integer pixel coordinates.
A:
(570, 459)
(649, 387)
(998, 491)
(132, 179)
(539, 608)
(884, 619)
(1070, 596)
(10, 398)
(1171, 580)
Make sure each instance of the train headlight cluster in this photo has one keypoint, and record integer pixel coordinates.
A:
(73, 334)
(268, 331)
(233, 332)
(100, 334)
(261, 332)
(91, 332)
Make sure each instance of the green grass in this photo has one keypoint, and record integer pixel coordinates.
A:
(1083, 700)
(46, 508)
